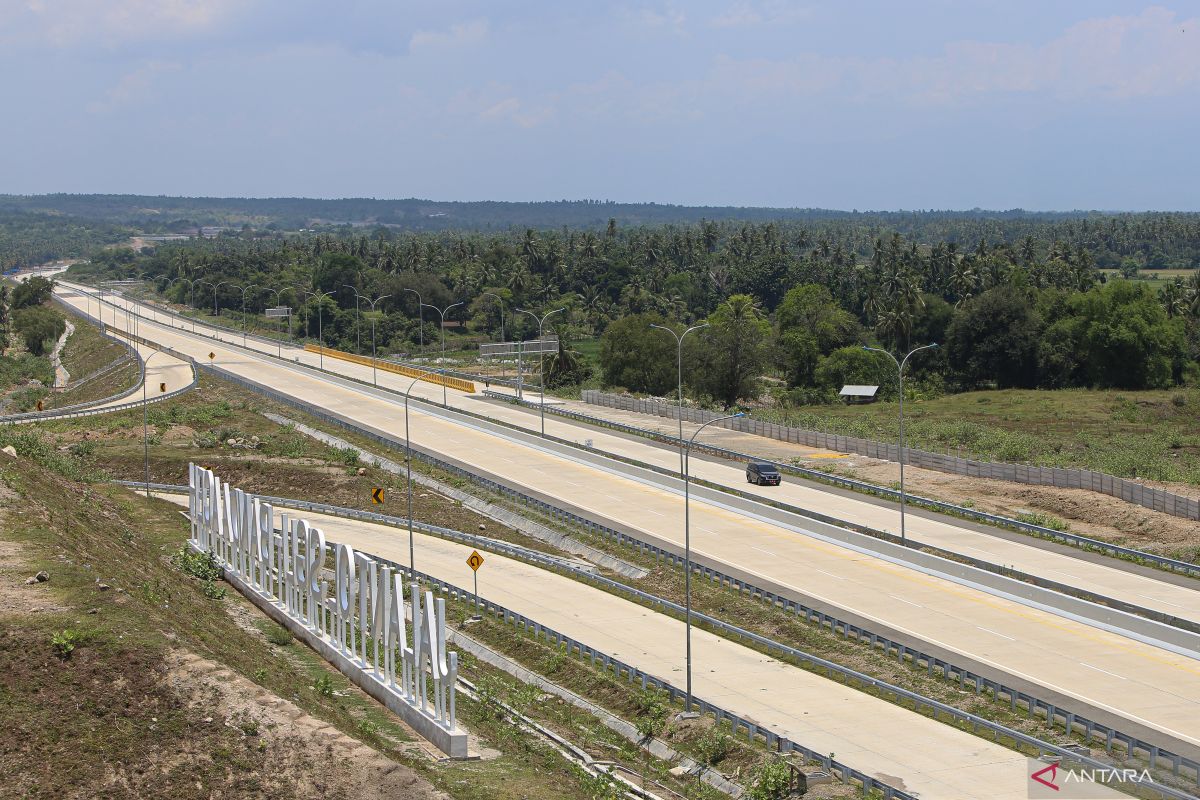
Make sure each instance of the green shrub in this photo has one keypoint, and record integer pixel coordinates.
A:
(279, 635)
(199, 565)
(771, 780)
(65, 642)
(1042, 520)
(714, 746)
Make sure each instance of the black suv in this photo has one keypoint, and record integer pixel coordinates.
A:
(762, 473)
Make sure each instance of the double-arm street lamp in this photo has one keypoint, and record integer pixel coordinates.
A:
(146, 418)
(679, 374)
(320, 324)
(541, 321)
(900, 364)
(244, 290)
(278, 293)
(442, 315)
(216, 311)
(191, 292)
(412, 562)
(357, 320)
(687, 550)
(374, 372)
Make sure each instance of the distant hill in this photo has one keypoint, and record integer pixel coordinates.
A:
(172, 214)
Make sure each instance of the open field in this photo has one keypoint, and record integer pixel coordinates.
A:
(1154, 435)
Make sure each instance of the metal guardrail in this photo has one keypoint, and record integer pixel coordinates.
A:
(1082, 542)
(54, 413)
(1129, 491)
(91, 409)
(1070, 720)
(917, 545)
(1053, 714)
(814, 663)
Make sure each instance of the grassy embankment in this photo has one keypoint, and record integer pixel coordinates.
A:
(92, 692)
(1152, 435)
(92, 357)
(196, 427)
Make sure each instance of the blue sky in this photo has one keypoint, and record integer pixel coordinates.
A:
(869, 105)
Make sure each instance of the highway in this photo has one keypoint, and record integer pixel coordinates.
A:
(1144, 686)
(908, 750)
(1176, 598)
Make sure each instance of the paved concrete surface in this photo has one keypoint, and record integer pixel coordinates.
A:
(1151, 691)
(908, 750)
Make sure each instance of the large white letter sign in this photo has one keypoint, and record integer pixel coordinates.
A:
(362, 628)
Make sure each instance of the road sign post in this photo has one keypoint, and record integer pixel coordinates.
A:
(475, 561)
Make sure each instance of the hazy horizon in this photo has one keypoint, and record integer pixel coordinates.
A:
(994, 105)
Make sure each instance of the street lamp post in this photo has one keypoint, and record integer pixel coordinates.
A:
(687, 550)
(900, 364)
(542, 355)
(420, 320)
(442, 314)
(278, 293)
(374, 372)
(320, 323)
(357, 320)
(145, 421)
(499, 300)
(679, 374)
(246, 289)
(408, 460)
(191, 295)
(216, 311)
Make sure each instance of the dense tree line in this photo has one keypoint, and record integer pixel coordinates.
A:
(29, 239)
(1016, 300)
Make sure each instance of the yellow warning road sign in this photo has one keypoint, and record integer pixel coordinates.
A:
(377, 495)
(211, 355)
(475, 561)
(162, 387)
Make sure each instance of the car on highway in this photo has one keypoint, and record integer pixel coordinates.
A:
(762, 474)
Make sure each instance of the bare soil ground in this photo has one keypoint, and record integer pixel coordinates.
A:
(105, 692)
(1087, 513)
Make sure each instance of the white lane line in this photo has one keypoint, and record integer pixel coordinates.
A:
(830, 574)
(902, 600)
(656, 513)
(1160, 600)
(759, 549)
(1106, 672)
(995, 633)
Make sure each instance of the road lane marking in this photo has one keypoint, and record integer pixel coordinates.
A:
(995, 633)
(1106, 672)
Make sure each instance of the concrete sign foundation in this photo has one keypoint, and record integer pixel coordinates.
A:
(394, 650)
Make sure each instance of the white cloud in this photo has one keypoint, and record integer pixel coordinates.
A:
(745, 14)
(62, 23)
(133, 88)
(460, 34)
(1112, 58)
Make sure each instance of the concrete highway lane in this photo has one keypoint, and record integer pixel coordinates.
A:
(908, 750)
(1145, 689)
(1178, 599)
